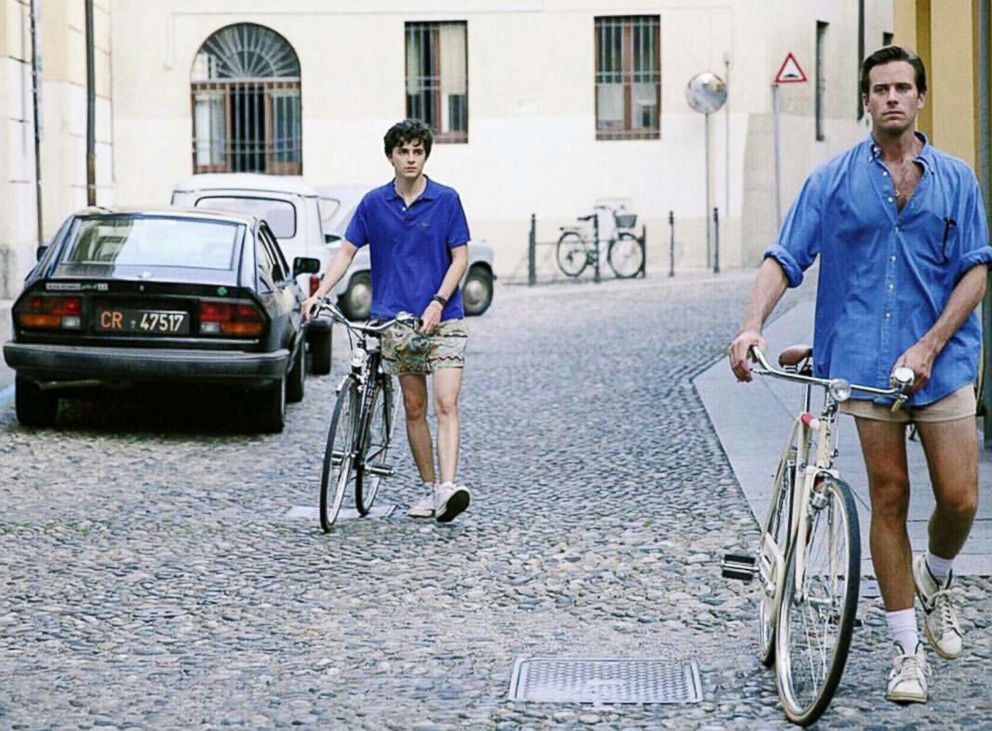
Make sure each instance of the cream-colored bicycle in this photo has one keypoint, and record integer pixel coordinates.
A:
(809, 557)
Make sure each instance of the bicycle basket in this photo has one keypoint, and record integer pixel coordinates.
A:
(625, 220)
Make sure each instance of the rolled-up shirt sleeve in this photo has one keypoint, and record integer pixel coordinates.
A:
(799, 239)
(971, 242)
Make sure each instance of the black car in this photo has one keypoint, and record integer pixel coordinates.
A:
(132, 298)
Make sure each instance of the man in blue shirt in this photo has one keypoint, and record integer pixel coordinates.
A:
(900, 231)
(417, 234)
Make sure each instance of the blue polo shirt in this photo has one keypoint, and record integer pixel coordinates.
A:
(410, 247)
(886, 274)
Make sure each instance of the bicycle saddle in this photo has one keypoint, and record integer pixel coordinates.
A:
(794, 355)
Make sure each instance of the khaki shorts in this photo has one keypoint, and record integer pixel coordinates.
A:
(958, 405)
(445, 349)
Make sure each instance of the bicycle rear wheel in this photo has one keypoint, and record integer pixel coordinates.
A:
(339, 454)
(371, 465)
(816, 615)
(771, 558)
(572, 254)
(626, 256)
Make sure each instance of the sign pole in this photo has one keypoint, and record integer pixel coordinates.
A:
(709, 248)
(778, 157)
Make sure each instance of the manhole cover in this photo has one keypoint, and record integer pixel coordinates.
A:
(306, 512)
(610, 680)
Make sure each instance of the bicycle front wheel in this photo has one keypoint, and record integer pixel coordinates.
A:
(339, 454)
(572, 254)
(819, 603)
(371, 465)
(626, 256)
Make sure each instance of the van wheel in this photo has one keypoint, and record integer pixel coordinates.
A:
(34, 407)
(477, 292)
(356, 302)
(296, 380)
(270, 415)
(320, 351)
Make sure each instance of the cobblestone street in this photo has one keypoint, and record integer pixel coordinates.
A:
(151, 578)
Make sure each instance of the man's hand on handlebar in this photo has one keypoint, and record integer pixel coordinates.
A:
(740, 352)
(309, 307)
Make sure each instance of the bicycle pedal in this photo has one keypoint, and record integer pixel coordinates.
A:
(740, 566)
(382, 470)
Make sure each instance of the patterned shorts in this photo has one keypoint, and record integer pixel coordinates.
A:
(445, 348)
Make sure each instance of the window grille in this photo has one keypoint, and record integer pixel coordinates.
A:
(437, 78)
(245, 88)
(628, 77)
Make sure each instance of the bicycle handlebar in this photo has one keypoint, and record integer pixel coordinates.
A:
(403, 318)
(840, 389)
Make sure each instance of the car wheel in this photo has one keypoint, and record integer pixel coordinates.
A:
(296, 380)
(34, 407)
(356, 302)
(477, 292)
(271, 408)
(320, 351)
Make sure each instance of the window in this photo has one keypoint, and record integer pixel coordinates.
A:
(279, 214)
(246, 103)
(628, 78)
(821, 34)
(887, 38)
(437, 78)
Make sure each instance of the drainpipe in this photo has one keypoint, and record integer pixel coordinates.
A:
(90, 109)
(985, 179)
(36, 116)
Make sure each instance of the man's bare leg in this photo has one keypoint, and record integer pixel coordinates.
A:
(447, 387)
(418, 433)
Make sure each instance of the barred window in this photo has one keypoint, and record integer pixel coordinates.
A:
(437, 78)
(628, 77)
(245, 87)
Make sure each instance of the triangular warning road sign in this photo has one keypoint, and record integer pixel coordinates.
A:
(791, 72)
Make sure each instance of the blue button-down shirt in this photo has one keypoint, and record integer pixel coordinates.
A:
(886, 274)
(409, 247)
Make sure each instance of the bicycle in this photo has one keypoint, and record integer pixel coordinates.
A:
(809, 554)
(575, 251)
(361, 429)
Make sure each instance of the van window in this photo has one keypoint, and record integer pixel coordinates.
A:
(279, 214)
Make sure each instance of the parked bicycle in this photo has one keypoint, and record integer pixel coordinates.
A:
(361, 429)
(579, 247)
(809, 556)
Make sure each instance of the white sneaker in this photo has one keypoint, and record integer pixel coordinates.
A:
(940, 621)
(423, 508)
(450, 500)
(908, 677)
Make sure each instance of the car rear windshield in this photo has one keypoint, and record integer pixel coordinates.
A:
(279, 214)
(165, 242)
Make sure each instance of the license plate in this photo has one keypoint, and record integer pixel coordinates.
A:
(147, 322)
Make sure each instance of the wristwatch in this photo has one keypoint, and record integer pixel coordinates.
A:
(441, 300)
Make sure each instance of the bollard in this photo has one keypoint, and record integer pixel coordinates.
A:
(716, 240)
(644, 251)
(595, 229)
(532, 252)
(671, 244)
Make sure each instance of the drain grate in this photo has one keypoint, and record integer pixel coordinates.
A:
(607, 680)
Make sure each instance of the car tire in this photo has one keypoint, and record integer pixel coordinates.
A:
(34, 406)
(296, 380)
(356, 302)
(320, 351)
(271, 408)
(477, 291)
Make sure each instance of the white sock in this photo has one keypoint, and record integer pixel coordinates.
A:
(939, 567)
(902, 627)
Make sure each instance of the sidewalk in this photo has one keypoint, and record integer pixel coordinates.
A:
(752, 422)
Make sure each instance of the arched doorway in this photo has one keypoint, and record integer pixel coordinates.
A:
(245, 87)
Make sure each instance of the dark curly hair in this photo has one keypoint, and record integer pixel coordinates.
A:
(888, 54)
(407, 131)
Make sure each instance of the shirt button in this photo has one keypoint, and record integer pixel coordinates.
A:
(891, 286)
(896, 229)
(892, 258)
(885, 173)
(890, 200)
(888, 315)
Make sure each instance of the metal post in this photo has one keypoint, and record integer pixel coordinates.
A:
(644, 251)
(716, 240)
(671, 243)
(532, 252)
(707, 208)
(90, 109)
(778, 158)
(36, 111)
(595, 229)
(726, 136)
(985, 178)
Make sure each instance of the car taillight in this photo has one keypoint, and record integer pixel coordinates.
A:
(314, 283)
(230, 318)
(45, 311)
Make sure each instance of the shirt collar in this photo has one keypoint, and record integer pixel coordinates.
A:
(925, 155)
(430, 191)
